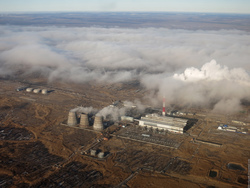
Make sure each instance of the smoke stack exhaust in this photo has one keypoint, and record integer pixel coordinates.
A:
(163, 107)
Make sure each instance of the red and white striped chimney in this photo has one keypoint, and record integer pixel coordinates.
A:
(163, 107)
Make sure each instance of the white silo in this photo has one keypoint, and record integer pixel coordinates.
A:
(36, 90)
(44, 91)
(98, 124)
(72, 120)
(29, 89)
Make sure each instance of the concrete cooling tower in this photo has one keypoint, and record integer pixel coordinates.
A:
(84, 122)
(98, 125)
(72, 120)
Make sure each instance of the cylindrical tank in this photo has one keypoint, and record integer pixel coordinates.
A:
(29, 89)
(98, 125)
(36, 90)
(72, 120)
(44, 91)
(84, 122)
(92, 152)
(101, 155)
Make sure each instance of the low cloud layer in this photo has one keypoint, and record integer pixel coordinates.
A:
(176, 63)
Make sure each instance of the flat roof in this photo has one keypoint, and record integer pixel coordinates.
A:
(172, 124)
(164, 121)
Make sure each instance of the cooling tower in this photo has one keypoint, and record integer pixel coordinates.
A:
(84, 122)
(72, 120)
(98, 125)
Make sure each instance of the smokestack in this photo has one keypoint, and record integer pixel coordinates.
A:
(163, 107)
(84, 122)
(98, 125)
(72, 120)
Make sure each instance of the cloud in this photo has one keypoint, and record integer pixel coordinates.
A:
(213, 71)
(175, 63)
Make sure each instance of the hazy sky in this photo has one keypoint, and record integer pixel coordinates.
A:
(223, 6)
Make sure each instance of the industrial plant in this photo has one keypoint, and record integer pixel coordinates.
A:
(156, 122)
(83, 121)
(116, 136)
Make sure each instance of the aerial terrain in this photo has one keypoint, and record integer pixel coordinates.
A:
(122, 67)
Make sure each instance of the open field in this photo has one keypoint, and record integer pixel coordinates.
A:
(37, 150)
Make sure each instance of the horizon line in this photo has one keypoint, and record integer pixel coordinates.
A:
(178, 12)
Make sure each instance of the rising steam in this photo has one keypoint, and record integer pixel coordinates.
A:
(214, 72)
(112, 112)
(166, 62)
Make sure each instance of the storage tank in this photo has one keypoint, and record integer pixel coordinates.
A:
(37, 90)
(84, 122)
(44, 91)
(98, 125)
(72, 120)
(101, 155)
(92, 152)
(29, 89)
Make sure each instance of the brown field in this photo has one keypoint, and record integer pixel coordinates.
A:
(37, 151)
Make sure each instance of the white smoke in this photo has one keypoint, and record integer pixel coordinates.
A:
(113, 111)
(214, 72)
(228, 106)
(85, 110)
(213, 84)
(150, 55)
(136, 104)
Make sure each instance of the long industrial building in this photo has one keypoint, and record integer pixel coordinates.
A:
(172, 124)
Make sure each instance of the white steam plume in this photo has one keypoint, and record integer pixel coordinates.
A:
(214, 72)
(85, 110)
(213, 84)
(113, 111)
(151, 55)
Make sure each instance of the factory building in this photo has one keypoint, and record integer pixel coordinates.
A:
(227, 128)
(171, 124)
(127, 118)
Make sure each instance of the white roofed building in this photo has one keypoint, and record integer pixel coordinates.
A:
(172, 124)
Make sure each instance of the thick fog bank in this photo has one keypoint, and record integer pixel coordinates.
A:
(192, 68)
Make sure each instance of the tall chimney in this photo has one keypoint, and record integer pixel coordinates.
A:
(163, 107)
